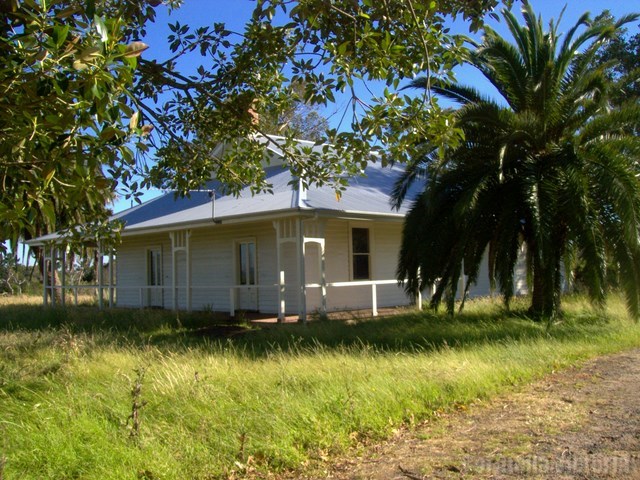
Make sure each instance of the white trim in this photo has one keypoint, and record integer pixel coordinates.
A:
(100, 276)
(111, 279)
(188, 268)
(370, 227)
(274, 215)
(302, 280)
(63, 276)
(316, 229)
(180, 241)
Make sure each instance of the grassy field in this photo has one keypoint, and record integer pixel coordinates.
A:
(149, 394)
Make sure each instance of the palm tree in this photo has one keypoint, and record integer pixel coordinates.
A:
(549, 168)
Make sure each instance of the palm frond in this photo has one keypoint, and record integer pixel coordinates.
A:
(555, 169)
(416, 170)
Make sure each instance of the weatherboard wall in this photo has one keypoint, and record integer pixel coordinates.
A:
(213, 253)
(132, 271)
(214, 269)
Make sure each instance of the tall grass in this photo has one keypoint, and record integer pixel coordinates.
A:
(267, 399)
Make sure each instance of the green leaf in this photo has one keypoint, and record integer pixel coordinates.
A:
(60, 33)
(49, 176)
(108, 133)
(96, 91)
(48, 212)
(101, 28)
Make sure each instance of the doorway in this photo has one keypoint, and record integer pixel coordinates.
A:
(247, 275)
(155, 296)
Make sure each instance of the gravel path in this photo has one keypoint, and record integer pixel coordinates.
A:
(580, 423)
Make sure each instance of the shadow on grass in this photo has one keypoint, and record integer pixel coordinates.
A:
(408, 332)
(89, 319)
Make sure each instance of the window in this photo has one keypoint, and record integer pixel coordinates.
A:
(154, 267)
(247, 263)
(360, 253)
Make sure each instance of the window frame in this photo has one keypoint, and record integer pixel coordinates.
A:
(353, 254)
(155, 276)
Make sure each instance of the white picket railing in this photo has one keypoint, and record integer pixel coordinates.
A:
(145, 301)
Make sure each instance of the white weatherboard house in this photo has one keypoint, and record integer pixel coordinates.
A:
(291, 252)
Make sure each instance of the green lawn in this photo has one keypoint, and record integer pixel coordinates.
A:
(267, 399)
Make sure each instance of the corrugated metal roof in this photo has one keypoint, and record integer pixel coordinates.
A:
(369, 194)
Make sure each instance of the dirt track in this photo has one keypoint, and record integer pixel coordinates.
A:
(581, 423)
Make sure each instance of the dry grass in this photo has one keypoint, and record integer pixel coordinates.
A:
(36, 300)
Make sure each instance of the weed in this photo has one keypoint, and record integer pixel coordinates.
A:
(208, 308)
(240, 318)
(136, 404)
(319, 315)
(70, 343)
(146, 475)
(242, 438)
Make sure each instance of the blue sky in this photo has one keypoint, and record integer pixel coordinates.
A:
(235, 13)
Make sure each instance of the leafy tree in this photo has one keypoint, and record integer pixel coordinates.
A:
(622, 57)
(330, 48)
(549, 166)
(65, 69)
(301, 120)
(79, 104)
(12, 277)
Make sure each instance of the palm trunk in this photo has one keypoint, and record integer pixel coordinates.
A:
(545, 298)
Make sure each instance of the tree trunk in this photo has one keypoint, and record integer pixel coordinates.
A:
(52, 277)
(545, 298)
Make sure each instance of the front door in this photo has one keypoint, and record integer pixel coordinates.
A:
(247, 275)
(154, 278)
